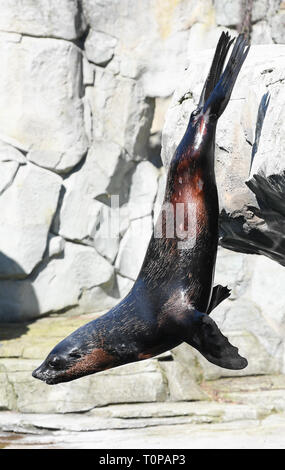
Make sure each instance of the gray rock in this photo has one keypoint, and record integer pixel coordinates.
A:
(55, 246)
(80, 269)
(8, 153)
(270, 337)
(278, 27)
(125, 100)
(88, 72)
(133, 247)
(10, 160)
(261, 33)
(228, 13)
(134, 416)
(259, 361)
(273, 400)
(201, 37)
(256, 383)
(247, 433)
(58, 285)
(264, 9)
(54, 19)
(206, 411)
(186, 356)
(8, 173)
(182, 385)
(142, 382)
(99, 298)
(107, 234)
(100, 47)
(143, 190)
(255, 304)
(113, 223)
(27, 208)
(160, 194)
(7, 396)
(248, 130)
(102, 176)
(124, 285)
(152, 40)
(40, 98)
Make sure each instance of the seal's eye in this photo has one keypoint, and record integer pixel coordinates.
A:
(75, 353)
(195, 115)
(54, 362)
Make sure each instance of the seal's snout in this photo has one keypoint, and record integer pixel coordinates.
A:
(35, 373)
(49, 370)
(46, 374)
(39, 373)
(58, 365)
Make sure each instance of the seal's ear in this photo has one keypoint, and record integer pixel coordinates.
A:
(207, 338)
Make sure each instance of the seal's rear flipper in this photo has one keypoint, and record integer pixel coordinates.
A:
(216, 69)
(219, 97)
(204, 335)
(219, 294)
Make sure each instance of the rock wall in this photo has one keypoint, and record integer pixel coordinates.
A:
(84, 87)
(151, 387)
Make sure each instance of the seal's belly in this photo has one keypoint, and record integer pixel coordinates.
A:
(196, 202)
(188, 200)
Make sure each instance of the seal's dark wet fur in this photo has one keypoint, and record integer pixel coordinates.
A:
(173, 295)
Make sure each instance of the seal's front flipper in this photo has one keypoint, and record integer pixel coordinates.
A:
(219, 294)
(204, 335)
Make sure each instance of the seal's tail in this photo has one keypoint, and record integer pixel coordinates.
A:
(219, 85)
(216, 69)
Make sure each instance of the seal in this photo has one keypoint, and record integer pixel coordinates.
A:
(173, 295)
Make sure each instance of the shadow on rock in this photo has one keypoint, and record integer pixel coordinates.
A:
(262, 109)
(12, 330)
(258, 230)
(18, 301)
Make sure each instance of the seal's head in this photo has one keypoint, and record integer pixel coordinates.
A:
(72, 358)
